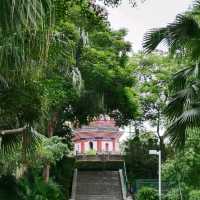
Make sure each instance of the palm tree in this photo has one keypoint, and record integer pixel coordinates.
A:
(23, 46)
(183, 109)
(182, 37)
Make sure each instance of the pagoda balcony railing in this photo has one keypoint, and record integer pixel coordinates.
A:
(100, 153)
(100, 156)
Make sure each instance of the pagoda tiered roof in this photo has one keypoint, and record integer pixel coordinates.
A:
(100, 129)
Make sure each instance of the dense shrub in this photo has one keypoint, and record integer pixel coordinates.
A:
(91, 152)
(194, 195)
(173, 194)
(9, 188)
(38, 189)
(29, 187)
(147, 193)
(139, 164)
(62, 174)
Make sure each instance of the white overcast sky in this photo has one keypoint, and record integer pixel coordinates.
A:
(151, 14)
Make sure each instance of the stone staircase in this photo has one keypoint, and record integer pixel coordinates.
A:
(98, 185)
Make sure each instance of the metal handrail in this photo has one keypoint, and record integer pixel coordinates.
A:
(126, 177)
(74, 185)
(123, 185)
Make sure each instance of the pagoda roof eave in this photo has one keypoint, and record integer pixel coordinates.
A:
(84, 136)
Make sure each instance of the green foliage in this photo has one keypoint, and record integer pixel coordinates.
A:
(146, 193)
(38, 189)
(20, 101)
(181, 35)
(9, 189)
(62, 173)
(182, 38)
(107, 78)
(59, 61)
(10, 163)
(46, 76)
(173, 194)
(52, 150)
(183, 169)
(134, 3)
(194, 195)
(30, 187)
(55, 92)
(152, 73)
(91, 152)
(138, 161)
(183, 108)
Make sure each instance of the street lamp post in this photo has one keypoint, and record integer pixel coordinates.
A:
(155, 152)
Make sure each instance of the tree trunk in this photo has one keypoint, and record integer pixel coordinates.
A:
(137, 131)
(46, 173)
(13, 131)
(46, 169)
(51, 125)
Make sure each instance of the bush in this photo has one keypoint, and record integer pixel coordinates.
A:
(194, 195)
(147, 193)
(173, 194)
(91, 152)
(62, 173)
(39, 190)
(9, 188)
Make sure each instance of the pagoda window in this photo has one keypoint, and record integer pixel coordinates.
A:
(91, 145)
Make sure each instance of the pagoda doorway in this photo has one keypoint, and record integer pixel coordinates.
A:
(91, 145)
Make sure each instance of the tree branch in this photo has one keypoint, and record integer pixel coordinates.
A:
(13, 131)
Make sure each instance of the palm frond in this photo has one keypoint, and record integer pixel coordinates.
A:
(24, 35)
(181, 35)
(177, 130)
(3, 83)
(16, 14)
(196, 6)
(25, 139)
(184, 34)
(175, 107)
(183, 100)
(180, 79)
(153, 38)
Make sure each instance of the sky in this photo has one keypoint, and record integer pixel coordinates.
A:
(150, 14)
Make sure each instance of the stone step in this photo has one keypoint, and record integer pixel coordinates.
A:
(99, 181)
(98, 185)
(98, 188)
(97, 197)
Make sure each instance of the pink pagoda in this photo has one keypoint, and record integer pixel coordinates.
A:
(100, 136)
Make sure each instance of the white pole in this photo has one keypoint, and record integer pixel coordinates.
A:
(159, 174)
(158, 153)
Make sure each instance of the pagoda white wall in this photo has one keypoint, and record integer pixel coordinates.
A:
(117, 147)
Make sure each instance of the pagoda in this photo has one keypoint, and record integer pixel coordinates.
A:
(100, 136)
